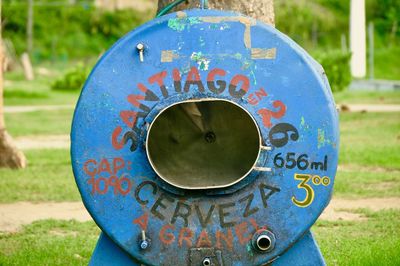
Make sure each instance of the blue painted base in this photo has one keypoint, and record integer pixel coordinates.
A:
(107, 253)
(303, 253)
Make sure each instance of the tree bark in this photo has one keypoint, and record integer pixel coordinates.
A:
(29, 28)
(260, 9)
(10, 156)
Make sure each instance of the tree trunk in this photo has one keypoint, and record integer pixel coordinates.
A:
(29, 28)
(10, 156)
(260, 9)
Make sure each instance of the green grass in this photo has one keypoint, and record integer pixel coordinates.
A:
(386, 60)
(367, 97)
(370, 139)
(49, 242)
(368, 152)
(359, 182)
(39, 122)
(370, 167)
(48, 177)
(369, 155)
(375, 241)
(19, 96)
(18, 91)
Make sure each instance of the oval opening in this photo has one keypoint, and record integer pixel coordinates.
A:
(203, 144)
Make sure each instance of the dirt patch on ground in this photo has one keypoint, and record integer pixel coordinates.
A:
(363, 168)
(332, 215)
(382, 108)
(337, 209)
(15, 215)
(374, 204)
(383, 186)
(34, 108)
(43, 142)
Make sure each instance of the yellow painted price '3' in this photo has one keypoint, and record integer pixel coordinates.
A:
(309, 198)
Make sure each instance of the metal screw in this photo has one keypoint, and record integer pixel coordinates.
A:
(140, 47)
(144, 244)
(206, 262)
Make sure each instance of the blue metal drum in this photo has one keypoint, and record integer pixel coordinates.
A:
(230, 64)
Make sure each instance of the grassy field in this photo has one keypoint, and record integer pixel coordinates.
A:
(49, 242)
(369, 158)
(367, 97)
(370, 139)
(18, 91)
(369, 167)
(361, 174)
(56, 122)
(48, 177)
(385, 59)
(375, 241)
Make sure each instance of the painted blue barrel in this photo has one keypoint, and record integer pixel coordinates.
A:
(199, 56)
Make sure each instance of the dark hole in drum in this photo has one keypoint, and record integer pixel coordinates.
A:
(210, 137)
(203, 144)
(264, 243)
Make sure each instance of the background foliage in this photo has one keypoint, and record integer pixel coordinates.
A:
(337, 67)
(65, 32)
(73, 79)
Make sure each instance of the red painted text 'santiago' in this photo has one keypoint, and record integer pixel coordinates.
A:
(238, 87)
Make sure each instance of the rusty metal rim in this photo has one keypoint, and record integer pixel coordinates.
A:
(205, 187)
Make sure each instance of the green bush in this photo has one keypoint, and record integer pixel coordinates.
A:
(337, 68)
(73, 80)
(310, 23)
(62, 31)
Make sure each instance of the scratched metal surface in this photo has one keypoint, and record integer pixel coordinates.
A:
(205, 51)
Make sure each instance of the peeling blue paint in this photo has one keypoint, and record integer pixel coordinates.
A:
(180, 24)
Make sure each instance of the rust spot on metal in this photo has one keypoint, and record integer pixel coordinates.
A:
(181, 14)
(168, 56)
(247, 22)
(260, 53)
